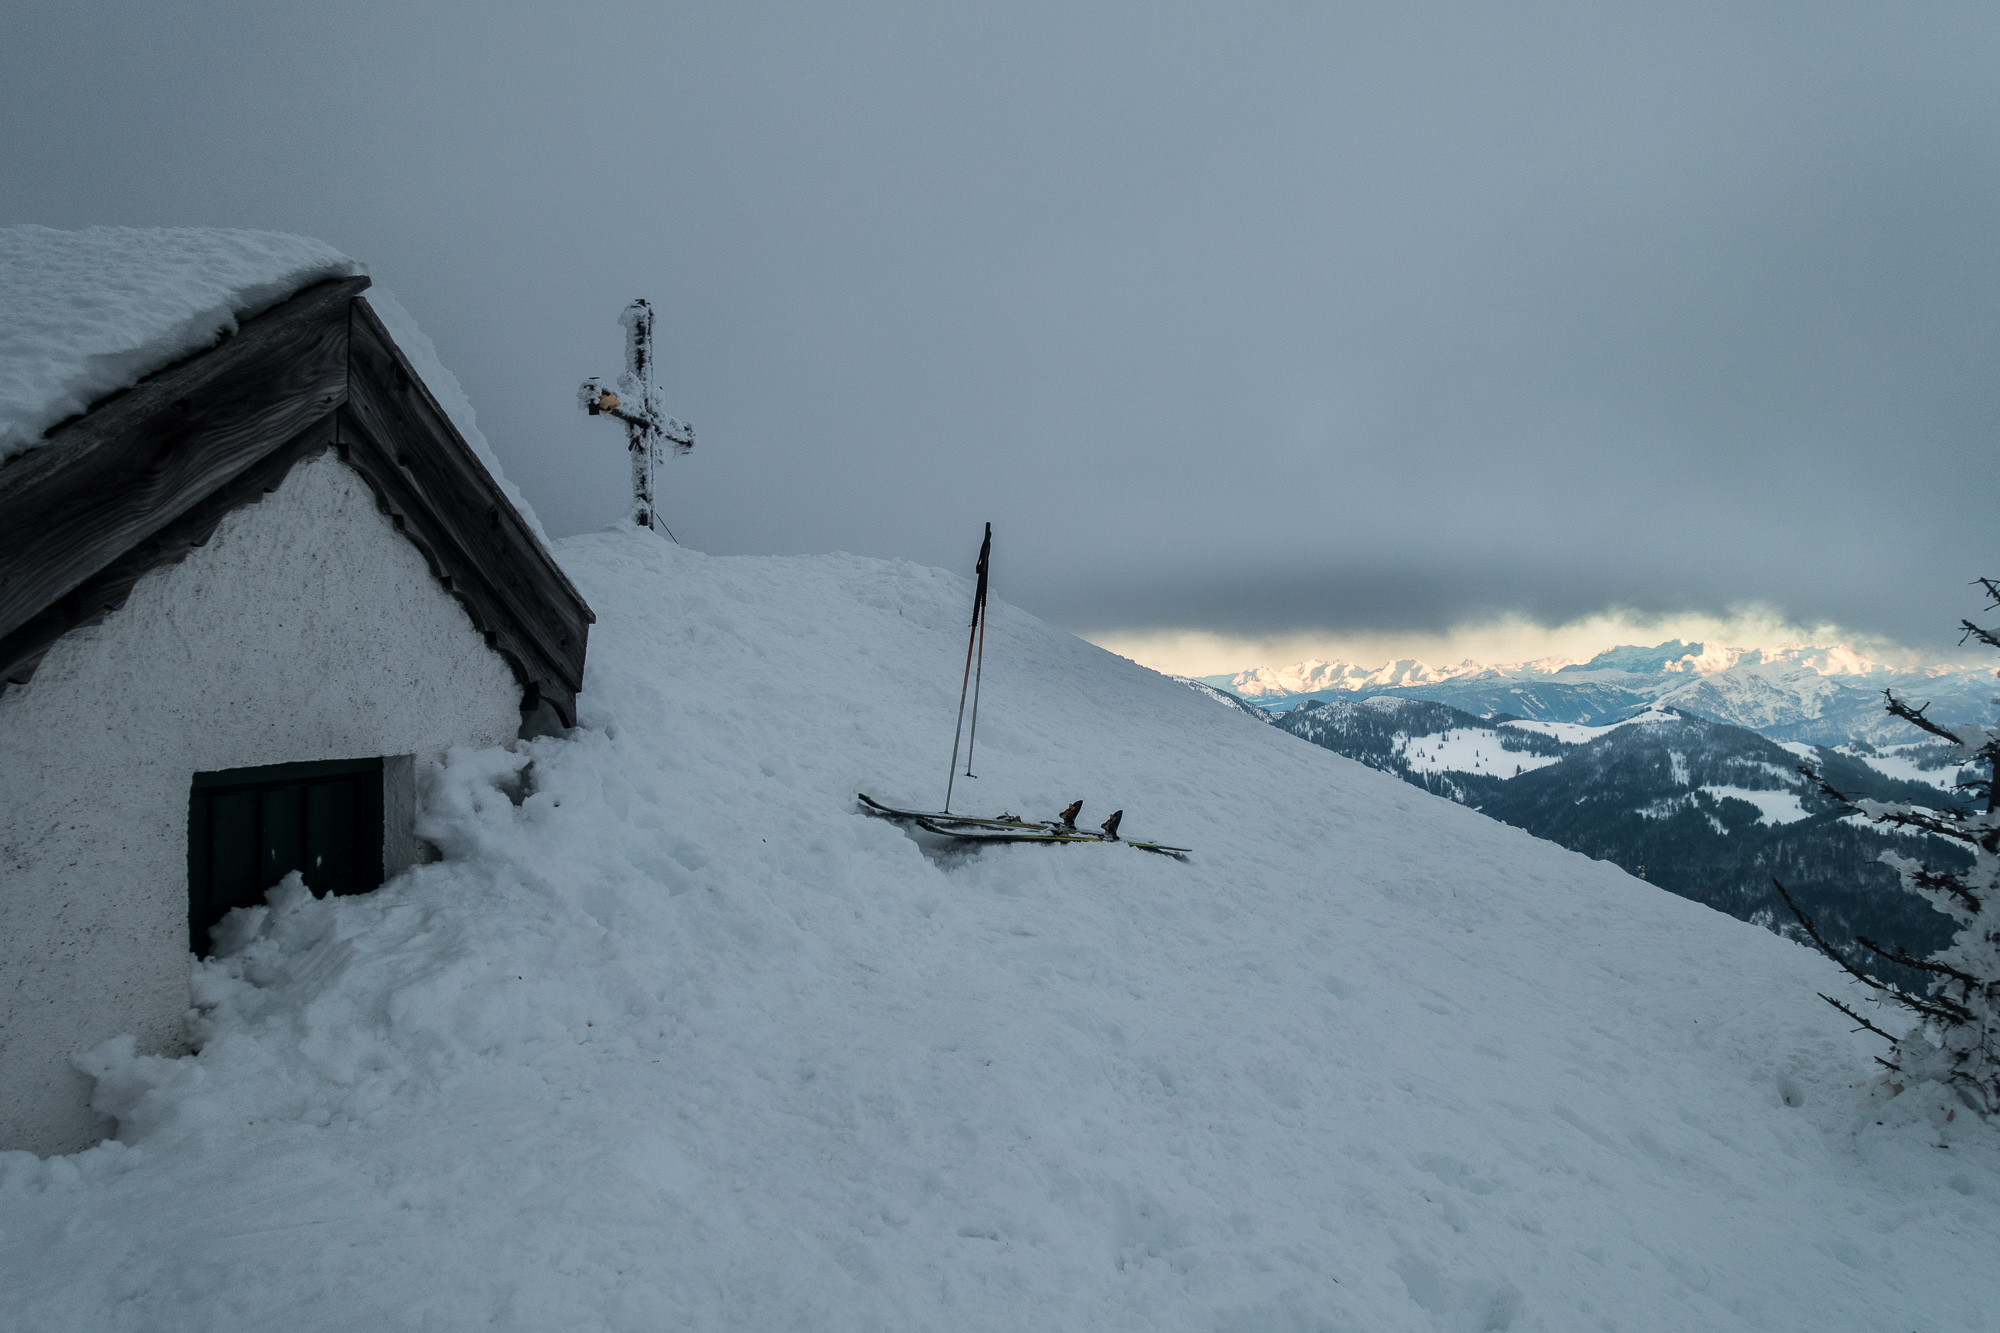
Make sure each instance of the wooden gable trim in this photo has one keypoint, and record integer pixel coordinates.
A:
(145, 476)
(441, 497)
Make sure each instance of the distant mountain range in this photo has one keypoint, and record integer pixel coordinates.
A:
(1702, 808)
(1823, 695)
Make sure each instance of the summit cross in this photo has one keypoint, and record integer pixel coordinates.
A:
(648, 430)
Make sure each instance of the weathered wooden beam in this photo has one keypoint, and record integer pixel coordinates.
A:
(106, 590)
(109, 482)
(426, 477)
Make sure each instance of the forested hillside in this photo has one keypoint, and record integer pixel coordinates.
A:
(1708, 811)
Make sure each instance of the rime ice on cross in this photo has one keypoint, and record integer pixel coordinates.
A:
(637, 404)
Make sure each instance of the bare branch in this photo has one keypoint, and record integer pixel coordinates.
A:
(1972, 631)
(1857, 1017)
(1976, 786)
(1813, 932)
(1901, 955)
(1942, 1011)
(1839, 798)
(1992, 591)
(1944, 881)
(1915, 716)
(1938, 1008)
(1945, 823)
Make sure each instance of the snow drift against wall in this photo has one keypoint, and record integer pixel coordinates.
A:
(676, 1038)
(305, 628)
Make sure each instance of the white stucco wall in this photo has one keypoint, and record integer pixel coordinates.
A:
(307, 628)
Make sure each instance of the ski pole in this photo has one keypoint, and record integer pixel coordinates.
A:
(959, 730)
(978, 674)
(978, 615)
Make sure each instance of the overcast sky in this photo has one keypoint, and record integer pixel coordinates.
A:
(1249, 328)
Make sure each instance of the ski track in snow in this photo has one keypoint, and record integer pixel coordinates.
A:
(682, 1040)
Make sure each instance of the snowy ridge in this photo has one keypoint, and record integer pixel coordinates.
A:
(1223, 697)
(1756, 694)
(1673, 658)
(84, 314)
(1794, 692)
(1312, 676)
(675, 1037)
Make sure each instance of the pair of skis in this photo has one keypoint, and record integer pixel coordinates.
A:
(1007, 828)
(1012, 828)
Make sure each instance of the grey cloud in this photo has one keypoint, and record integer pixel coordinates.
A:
(1262, 321)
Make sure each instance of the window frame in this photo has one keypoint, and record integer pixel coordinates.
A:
(274, 784)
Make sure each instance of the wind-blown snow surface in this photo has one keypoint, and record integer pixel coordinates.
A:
(681, 1040)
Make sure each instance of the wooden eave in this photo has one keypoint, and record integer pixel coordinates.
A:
(145, 476)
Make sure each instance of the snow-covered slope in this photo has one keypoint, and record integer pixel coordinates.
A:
(1789, 702)
(676, 1038)
(1432, 745)
(1757, 695)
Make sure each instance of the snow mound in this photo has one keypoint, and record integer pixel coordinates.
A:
(675, 1037)
(86, 313)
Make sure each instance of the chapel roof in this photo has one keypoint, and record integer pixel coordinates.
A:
(183, 377)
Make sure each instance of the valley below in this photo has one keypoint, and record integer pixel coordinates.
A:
(1679, 763)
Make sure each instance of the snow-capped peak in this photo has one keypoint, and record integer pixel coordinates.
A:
(1316, 675)
(1673, 659)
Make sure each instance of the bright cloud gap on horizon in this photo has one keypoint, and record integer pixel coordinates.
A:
(1497, 643)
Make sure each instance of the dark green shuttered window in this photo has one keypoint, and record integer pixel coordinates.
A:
(250, 827)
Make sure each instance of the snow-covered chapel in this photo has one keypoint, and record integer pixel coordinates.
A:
(256, 572)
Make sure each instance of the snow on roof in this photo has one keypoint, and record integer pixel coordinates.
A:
(84, 314)
(87, 313)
